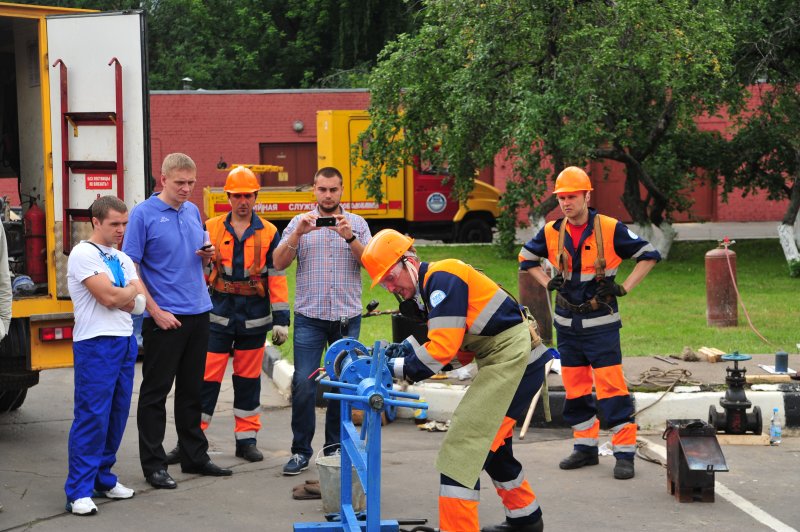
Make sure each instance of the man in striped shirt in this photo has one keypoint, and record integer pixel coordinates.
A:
(328, 242)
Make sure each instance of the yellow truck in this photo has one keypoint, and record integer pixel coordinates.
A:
(415, 201)
(73, 124)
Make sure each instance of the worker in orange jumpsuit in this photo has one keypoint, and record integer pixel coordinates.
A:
(250, 298)
(586, 248)
(468, 312)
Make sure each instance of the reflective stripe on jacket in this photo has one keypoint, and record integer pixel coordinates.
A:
(236, 259)
(459, 300)
(580, 285)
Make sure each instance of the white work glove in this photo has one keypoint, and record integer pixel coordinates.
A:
(139, 303)
(279, 334)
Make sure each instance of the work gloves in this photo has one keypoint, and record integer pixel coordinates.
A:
(279, 334)
(394, 351)
(556, 282)
(607, 288)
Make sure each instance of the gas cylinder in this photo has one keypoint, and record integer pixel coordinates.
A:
(35, 247)
(721, 301)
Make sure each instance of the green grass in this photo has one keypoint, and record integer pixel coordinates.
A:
(666, 312)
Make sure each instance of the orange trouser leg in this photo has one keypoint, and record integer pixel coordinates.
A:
(215, 370)
(458, 506)
(247, 392)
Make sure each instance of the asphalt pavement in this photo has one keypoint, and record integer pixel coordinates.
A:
(759, 492)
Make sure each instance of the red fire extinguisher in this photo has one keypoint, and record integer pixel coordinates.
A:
(35, 247)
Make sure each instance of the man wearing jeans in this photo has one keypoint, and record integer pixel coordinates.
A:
(327, 242)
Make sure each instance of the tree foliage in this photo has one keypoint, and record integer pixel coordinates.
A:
(262, 44)
(764, 153)
(551, 83)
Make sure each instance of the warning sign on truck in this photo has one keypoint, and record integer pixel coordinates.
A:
(98, 181)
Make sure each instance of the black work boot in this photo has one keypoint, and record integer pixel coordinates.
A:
(624, 469)
(249, 452)
(505, 526)
(579, 459)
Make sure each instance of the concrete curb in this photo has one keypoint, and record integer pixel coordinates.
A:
(684, 403)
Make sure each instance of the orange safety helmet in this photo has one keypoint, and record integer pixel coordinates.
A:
(572, 179)
(383, 252)
(241, 180)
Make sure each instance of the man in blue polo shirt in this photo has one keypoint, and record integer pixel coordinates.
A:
(166, 240)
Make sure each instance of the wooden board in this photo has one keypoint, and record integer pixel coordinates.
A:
(767, 379)
(743, 439)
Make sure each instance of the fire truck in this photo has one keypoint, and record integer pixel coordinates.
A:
(73, 119)
(415, 201)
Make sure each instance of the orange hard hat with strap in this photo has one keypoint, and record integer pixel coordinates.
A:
(383, 251)
(241, 180)
(572, 179)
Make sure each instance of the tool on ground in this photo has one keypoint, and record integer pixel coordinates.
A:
(668, 361)
(735, 419)
(693, 456)
(364, 381)
(545, 402)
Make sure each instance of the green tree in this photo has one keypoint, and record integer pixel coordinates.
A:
(262, 44)
(551, 83)
(764, 153)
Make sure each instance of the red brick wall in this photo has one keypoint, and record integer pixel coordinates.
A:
(232, 125)
(207, 125)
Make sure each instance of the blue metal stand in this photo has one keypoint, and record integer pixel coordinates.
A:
(351, 367)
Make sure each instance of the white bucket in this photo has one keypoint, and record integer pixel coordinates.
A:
(330, 482)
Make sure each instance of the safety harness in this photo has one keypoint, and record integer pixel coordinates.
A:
(255, 285)
(599, 269)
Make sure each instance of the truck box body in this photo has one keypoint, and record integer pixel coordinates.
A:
(415, 201)
(74, 124)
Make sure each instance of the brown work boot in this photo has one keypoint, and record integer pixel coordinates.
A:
(624, 469)
(579, 459)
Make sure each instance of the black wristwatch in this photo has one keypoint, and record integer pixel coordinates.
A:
(350, 240)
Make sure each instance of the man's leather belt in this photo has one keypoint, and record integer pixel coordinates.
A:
(584, 308)
(239, 288)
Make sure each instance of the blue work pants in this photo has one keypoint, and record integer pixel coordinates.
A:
(103, 368)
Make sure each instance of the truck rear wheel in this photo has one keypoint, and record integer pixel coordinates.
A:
(12, 399)
(475, 230)
(15, 379)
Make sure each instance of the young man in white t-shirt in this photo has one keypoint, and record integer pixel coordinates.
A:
(105, 291)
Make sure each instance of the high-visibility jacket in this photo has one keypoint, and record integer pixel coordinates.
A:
(459, 299)
(248, 259)
(580, 282)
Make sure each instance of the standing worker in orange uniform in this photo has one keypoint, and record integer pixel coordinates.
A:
(586, 248)
(250, 297)
(467, 311)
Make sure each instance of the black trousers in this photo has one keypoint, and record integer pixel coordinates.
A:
(179, 356)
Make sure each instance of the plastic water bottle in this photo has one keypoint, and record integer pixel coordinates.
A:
(774, 428)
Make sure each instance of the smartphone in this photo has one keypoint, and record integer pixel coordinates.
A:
(326, 222)
(203, 248)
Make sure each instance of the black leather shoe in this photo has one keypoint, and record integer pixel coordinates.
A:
(161, 480)
(623, 470)
(249, 452)
(578, 459)
(209, 469)
(505, 526)
(174, 456)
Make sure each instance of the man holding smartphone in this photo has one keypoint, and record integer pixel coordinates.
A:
(164, 237)
(328, 242)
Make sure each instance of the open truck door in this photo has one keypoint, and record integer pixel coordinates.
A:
(81, 100)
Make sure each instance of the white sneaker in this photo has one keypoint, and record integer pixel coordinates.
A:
(82, 506)
(117, 492)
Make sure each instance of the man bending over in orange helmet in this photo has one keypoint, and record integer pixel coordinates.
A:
(468, 312)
